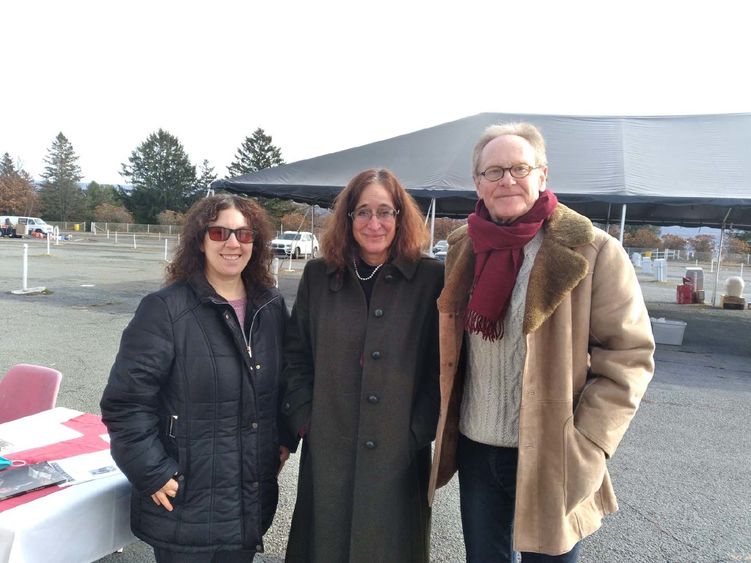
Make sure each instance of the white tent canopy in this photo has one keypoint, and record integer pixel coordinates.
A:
(670, 170)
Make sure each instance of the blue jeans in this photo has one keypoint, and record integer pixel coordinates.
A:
(487, 489)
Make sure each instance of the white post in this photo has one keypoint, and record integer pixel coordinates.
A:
(711, 265)
(623, 222)
(115, 237)
(108, 234)
(178, 240)
(165, 250)
(48, 251)
(741, 267)
(134, 241)
(25, 275)
(56, 234)
(275, 270)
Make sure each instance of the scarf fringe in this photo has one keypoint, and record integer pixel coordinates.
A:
(488, 328)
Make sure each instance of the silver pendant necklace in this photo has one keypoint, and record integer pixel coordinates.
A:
(373, 273)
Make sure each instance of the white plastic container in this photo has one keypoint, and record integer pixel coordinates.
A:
(668, 332)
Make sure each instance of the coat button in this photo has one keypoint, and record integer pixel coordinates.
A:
(254, 425)
(389, 277)
(370, 444)
(255, 484)
(376, 355)
(259, 548)
(258, 366)
(373, 399)
(378, 313)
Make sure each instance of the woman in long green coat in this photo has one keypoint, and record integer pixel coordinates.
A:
(362, 384)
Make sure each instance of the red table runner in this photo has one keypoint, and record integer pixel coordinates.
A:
(90, 425)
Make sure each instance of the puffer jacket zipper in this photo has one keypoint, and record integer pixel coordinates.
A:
(248, 340)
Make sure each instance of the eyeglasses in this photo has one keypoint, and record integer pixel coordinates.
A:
(518, 171)
(220, 234)
(364, 215)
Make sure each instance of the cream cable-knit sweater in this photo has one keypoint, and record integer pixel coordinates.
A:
(493, 384)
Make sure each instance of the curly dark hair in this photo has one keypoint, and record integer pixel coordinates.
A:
(189, 258)
(338, 243)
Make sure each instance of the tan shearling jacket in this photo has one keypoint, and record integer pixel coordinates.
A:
(589, 360)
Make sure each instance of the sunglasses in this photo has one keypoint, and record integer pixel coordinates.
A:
(220, 234)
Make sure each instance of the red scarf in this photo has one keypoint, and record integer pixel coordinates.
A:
(499, 253)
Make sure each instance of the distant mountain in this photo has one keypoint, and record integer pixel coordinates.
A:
(687, 232)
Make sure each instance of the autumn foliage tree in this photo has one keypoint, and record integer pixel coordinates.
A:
(445, 226)
(737, 245)
(702, 243)
(674, 242)
(17, 193)
(295, 221)
(111, 213)
(642, 237)
(169, 217)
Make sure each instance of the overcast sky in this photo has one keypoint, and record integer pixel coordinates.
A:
(325, 76)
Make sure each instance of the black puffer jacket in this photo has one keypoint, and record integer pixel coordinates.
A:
(186, 394)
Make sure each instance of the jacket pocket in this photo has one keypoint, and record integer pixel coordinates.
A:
(583, 466)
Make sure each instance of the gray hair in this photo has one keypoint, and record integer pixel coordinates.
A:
(522, 129)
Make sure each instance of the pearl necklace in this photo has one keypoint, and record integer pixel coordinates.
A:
(373, 273)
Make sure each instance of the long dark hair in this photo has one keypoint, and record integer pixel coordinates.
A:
(189, 258)
(338, 242)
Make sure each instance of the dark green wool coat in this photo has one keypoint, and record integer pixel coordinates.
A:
(363, 383)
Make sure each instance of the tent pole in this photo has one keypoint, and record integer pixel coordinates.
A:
(719, 259)
(607, 221)
(432, 224)
(623, 222)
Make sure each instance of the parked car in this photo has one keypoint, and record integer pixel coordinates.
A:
(441, 245)
(296, 243)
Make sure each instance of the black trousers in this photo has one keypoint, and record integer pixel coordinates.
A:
(165, 556)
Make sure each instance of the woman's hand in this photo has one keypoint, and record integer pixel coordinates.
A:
(283, 457)
(169, 490)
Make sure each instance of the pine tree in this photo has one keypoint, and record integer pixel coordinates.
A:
(256, 153)
(62, 197)
(205, 177)
(17, 193)
(162, 176)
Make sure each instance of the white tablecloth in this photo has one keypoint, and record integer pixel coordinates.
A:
(77, 524)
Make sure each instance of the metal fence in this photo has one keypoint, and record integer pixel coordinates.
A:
(99, 227)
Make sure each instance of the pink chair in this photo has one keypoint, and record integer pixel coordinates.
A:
(28, 389)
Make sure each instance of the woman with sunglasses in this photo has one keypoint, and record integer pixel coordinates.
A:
(191, 403)
(362, 381)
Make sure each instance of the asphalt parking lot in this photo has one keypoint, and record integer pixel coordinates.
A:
(682, 473)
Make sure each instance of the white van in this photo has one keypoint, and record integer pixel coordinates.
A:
(26, 225)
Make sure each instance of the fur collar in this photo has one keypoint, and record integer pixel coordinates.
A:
(557, 270)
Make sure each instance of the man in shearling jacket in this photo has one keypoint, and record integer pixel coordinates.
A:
(546, 351)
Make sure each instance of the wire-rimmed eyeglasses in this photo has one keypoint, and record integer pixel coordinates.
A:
(518, 171)
(364, 215)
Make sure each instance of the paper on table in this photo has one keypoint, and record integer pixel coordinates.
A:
(33, 432)
(86, 467)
